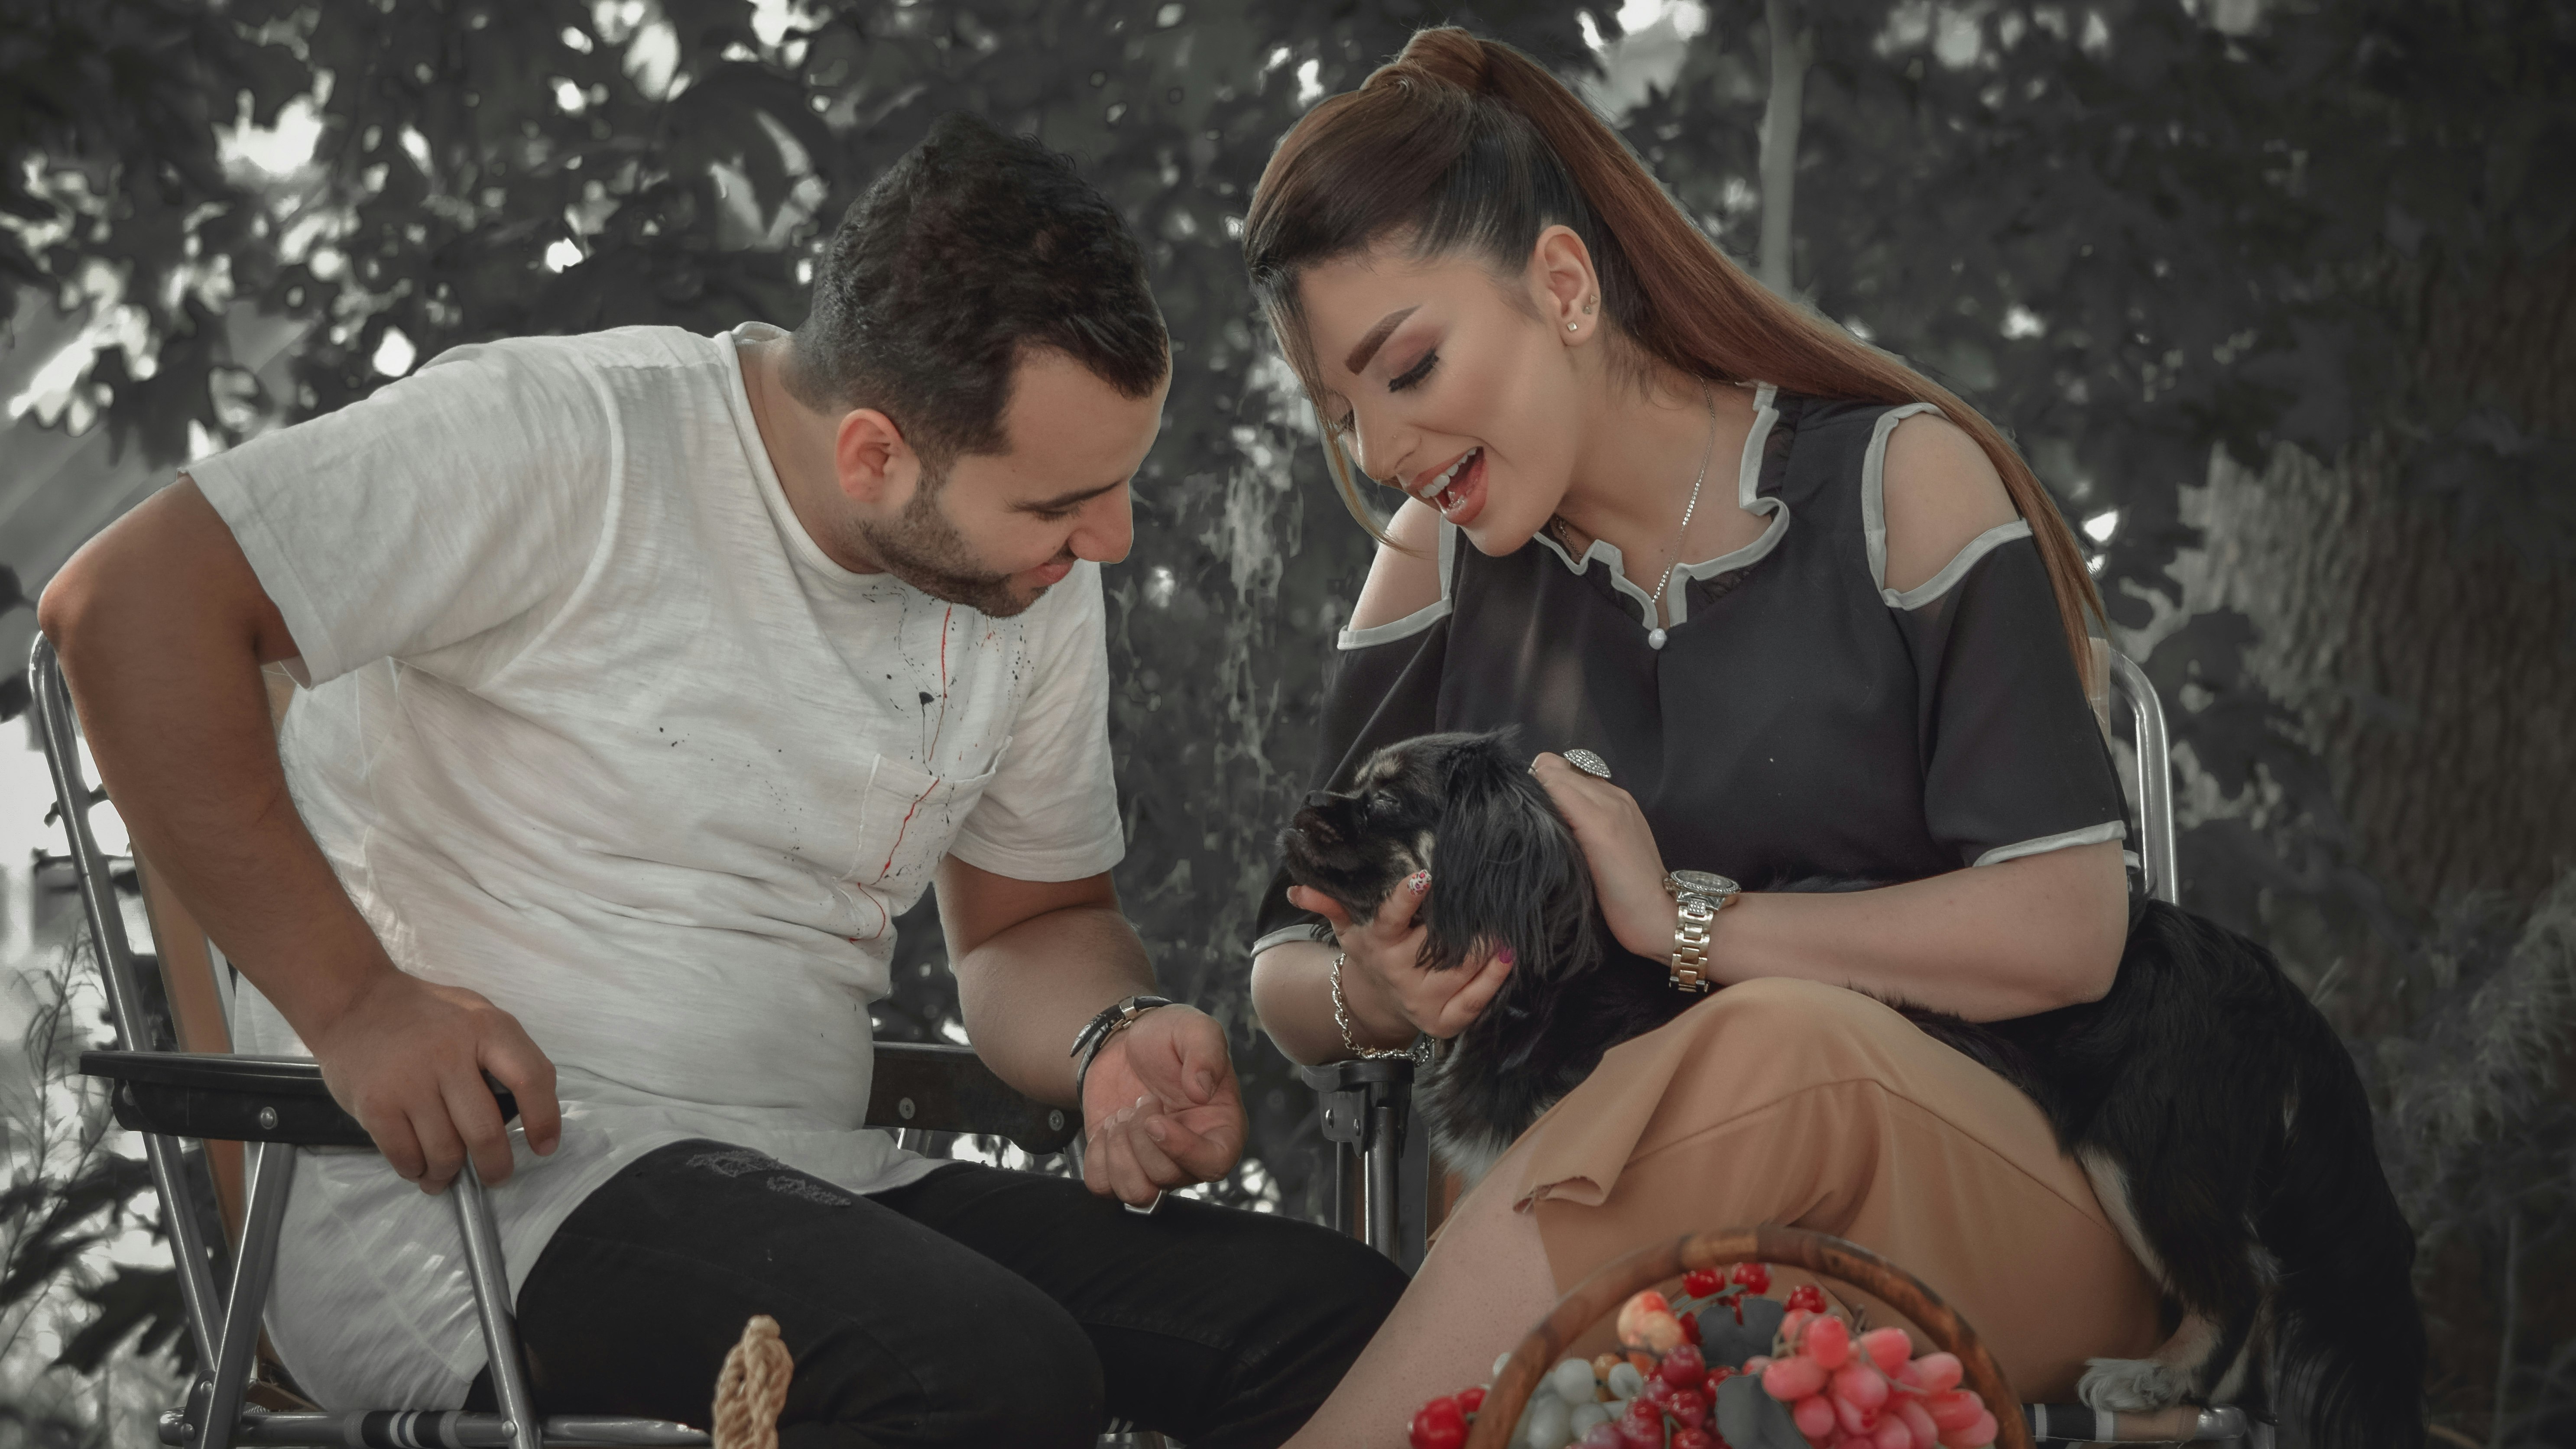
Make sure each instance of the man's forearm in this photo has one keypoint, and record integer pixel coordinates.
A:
(1027, 992)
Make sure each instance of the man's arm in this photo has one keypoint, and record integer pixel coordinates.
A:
(1035, 961)
(162, 627)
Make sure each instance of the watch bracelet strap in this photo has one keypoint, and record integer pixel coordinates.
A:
(1690, 976)
(1095, 1034)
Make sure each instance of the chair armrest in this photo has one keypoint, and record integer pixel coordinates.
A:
(923, 1088)
(1349, 1093)
(227, 1098)
(1358, 1074)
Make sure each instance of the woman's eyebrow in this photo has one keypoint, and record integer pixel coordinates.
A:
(1376, 337)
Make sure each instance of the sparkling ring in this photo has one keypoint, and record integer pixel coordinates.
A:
(1589, 763)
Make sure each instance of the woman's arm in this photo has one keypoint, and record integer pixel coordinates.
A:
(1292, 994)
(1389, 996)
(1989, 944)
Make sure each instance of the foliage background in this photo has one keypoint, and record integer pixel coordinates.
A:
(2278, 297)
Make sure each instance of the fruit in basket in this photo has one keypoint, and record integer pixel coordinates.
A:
(1646, 1321)
(1440, 1424)
(1868, 1393)
(1819, 1387)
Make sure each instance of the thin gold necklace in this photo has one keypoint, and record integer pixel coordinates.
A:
(1656, 636)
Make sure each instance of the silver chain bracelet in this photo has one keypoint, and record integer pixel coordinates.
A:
(1342, 1019)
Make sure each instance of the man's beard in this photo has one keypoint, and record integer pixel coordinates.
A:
(922, 548)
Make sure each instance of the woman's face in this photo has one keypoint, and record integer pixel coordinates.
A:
(1454, 384)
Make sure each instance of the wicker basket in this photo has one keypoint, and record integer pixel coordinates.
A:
(1601, 1294)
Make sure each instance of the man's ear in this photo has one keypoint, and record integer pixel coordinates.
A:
(873, 463)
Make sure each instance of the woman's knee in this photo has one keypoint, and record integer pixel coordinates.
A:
(1798, 1028)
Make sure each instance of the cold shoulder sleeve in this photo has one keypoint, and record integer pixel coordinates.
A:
(1382, 686)
(2014, 759)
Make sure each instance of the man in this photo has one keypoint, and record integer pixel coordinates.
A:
(648, 677)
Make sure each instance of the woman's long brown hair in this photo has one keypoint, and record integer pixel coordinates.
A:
(1462, 142)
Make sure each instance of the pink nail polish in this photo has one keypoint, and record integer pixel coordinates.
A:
(1418, 882)
(1504, 955)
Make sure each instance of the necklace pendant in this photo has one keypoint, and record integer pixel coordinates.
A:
(1655, 638)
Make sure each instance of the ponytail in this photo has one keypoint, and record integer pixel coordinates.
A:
(1468, 142)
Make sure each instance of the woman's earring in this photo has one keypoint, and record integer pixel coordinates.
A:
(1573, 326)
(1587, 306)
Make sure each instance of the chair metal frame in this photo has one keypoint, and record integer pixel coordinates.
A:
(276, 1105)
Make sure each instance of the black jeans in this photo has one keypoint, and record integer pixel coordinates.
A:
(976, 1306)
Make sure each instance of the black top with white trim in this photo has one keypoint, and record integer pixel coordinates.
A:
(1802, 720)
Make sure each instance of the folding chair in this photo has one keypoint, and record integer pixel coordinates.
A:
(275, 1105)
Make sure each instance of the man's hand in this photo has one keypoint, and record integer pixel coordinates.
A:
(1161, 1107)
(407, 1059)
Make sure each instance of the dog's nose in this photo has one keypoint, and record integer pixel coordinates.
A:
(1318, 799)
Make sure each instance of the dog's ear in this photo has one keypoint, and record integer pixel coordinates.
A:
(1507, 872)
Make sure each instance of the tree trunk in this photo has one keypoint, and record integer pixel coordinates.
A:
(1791, 50)
(2432, 665)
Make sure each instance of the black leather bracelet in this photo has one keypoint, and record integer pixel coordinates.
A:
(1112, 1019)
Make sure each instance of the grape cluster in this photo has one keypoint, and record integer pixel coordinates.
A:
(1870, 1392)
(1687, 1377)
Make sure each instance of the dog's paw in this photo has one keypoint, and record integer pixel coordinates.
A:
(2131, 1385)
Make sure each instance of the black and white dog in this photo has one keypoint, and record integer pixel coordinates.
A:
(2220, 1119)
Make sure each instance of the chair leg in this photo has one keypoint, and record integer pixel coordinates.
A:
(272, 1171)
(188, 1249)
(483, 1263)
(1384, 1202)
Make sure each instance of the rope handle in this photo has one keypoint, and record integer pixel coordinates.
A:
(752, 1388)
(1589, 1301)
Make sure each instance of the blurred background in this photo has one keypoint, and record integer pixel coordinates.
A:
(2277, 295)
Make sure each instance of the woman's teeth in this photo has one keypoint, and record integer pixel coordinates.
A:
(1436, 492)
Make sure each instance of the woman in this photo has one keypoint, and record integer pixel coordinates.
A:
(1818, 620)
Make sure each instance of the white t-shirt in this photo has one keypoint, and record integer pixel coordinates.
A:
(593, 727)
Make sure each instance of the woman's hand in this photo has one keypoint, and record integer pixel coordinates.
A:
(1627, 865)
(1390, 994)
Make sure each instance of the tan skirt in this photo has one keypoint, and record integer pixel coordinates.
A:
(1784, 1101)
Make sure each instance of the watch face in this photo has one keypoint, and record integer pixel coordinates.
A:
(1700, 882)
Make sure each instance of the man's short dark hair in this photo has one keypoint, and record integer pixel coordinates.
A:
(973, 246)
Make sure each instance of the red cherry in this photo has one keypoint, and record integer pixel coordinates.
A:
(1658, 1391)
(1754, 1277)
(1701, 1282)
(1683, 1366)
(1693, 1439)
(1807, 1296)
(1690, 1328)
(1441, 1424)
(1642, 1427)
(1688, 1405)
(1471, 1400)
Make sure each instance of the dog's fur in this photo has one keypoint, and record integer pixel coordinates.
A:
(2217, 1114)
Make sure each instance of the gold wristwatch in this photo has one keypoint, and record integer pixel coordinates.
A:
(1698, 897)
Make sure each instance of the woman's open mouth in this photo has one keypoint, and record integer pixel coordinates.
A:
(1458, 490)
